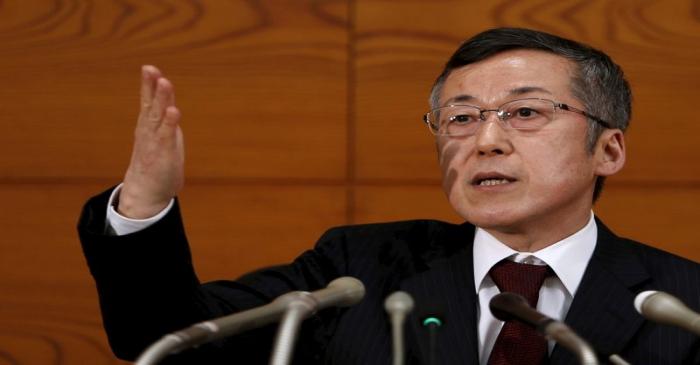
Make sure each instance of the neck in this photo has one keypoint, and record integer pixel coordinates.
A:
(536, 237)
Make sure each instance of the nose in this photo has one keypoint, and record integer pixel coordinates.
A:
(492, 139)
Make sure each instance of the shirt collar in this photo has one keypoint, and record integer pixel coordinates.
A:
(568, 258)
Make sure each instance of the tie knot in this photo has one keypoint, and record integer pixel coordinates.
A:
(523, 279)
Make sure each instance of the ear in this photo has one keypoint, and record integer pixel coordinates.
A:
(610, 152)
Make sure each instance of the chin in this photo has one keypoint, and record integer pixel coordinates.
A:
(494, 222)
(489, 217)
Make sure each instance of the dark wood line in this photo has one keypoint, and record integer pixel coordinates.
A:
(498, 11)
(57, 21)
(86, 18)
(613, 21)
(317, 10)
(57, 351)
(264, 21)
(569, 15)
(350, 139)
(9, 358)
(149, 22)
(651, 30)
(319, 182)
(410, 34)
(127, 10)
(75, 9)
(530, 15)
(197, 14)
(22, 28)
(240, 181)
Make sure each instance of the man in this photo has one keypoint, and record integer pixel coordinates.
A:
(527, 126)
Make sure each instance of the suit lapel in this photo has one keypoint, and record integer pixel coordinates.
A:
(446, 290)
(602, 311)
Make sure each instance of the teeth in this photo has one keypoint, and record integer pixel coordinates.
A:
(490, 182)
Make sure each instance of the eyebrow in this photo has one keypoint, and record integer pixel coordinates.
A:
(529, 89)
(458, 99)
(514, 92)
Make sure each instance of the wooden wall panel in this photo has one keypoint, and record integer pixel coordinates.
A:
(234, 230)
(48, 312)
(395, 203)
(262, 87)
(390, 106)
(298, 116)
(663, 216)
(256, 81)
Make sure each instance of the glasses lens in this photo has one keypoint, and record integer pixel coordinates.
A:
(455, 120)
(528, 113)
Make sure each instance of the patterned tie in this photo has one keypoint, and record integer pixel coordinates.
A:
(517, 343)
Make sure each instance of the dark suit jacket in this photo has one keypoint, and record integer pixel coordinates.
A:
(147, 287)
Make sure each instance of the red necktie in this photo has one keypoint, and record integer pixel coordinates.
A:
(517, 343)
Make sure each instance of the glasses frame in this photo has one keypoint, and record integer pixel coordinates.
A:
(501, 113)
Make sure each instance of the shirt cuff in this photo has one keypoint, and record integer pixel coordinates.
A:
(120, 225)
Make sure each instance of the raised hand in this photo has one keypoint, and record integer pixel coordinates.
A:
(156, 171)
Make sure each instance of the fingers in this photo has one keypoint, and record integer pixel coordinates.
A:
(161, 101)
(156, 171)
(149, 76)
(157, 94)
(170, 122)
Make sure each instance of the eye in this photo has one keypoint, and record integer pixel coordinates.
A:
(525, 112)
(461, 118)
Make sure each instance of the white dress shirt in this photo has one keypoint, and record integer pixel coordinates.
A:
(568, 259)
(123, 225)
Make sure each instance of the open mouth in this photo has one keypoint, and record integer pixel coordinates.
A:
(492, 182)
(491, 179)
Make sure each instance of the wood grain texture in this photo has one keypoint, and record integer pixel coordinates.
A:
(298, 115)
(255, 226)
(48, 312)
(663, 216)
(262, 86)
(256, 81)
(392, 203)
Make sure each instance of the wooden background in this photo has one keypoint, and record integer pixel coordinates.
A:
(298, 115)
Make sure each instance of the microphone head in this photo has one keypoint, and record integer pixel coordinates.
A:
(641, 298)
(501, 305)
(666, 309)
(398, 302)
(350, 290)
(431, 314)
(433, 321)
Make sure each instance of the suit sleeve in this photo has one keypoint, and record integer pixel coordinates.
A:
(147, 287)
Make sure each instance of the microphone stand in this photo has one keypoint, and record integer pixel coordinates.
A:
(294, 306)
(433, 324)
(300, 307)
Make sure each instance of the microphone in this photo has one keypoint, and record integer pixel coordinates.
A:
(398, 305)
(342, 292)
(664, 308)
(431, 316)
(432, 323)
(510, 306)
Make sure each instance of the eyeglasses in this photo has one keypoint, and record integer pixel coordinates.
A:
(521, 114)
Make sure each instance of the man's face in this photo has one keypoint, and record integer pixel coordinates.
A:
(513, 181)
